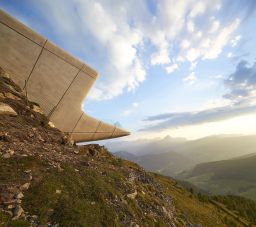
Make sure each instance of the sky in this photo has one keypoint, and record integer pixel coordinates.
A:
(184, 68)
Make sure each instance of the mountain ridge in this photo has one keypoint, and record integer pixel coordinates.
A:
(233, 176)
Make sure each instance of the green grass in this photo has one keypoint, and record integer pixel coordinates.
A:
(83, 192)
(190, 206)
(222, 187)
(88, 197)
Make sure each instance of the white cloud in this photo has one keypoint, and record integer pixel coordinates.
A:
(185, 44)
(164, 30)
(198, 9)
(235, 41)
(219, 41)
(219, 76)
(190, 79)
(161, 57)
(214, 26)
(171, 68)
(191, 26)
(193, 54)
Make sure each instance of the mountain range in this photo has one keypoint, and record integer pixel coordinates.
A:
(169, 156)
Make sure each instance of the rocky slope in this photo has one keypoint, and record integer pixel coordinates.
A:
(45, 180)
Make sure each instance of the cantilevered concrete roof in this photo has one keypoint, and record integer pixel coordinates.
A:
(53, 78)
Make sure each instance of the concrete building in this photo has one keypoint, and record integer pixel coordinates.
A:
(54, 79)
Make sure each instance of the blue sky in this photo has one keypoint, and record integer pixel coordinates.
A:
(184, 68)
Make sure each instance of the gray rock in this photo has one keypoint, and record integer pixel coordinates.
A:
(25, 186)
(5, 109)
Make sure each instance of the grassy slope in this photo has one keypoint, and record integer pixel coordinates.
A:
(236, 176)
(89, 198)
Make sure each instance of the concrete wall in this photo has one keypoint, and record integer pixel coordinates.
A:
(54, 79)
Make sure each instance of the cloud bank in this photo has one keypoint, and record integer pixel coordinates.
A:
(241, 85)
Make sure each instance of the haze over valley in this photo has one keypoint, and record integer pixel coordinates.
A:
(170, 156)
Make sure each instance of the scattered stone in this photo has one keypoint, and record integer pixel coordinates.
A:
(10, 207)
(34, 216)
(40, 138)
(132, 195)
(58, 191)
(27, 171)
(76, 170)
(30, 177)
(11, 152)
(51, 124)
(92, 203)
(6, 155)
(19, 195)
(76, 151)
(37, 109)
(25, 186)
(5, 109)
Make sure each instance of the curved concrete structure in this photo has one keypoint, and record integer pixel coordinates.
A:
(54, 79)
